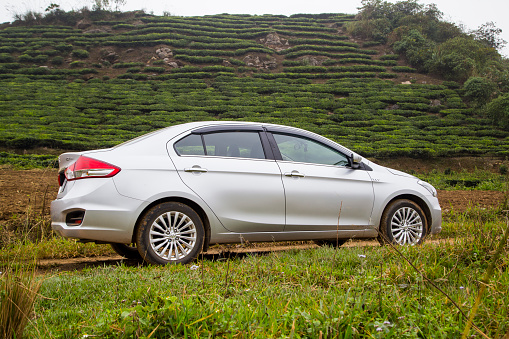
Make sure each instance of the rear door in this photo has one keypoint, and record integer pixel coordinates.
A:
(230, 170)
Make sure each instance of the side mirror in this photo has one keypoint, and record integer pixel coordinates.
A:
(356, 160)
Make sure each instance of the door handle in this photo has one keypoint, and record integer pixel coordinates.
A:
(294, 174)
(195, 168)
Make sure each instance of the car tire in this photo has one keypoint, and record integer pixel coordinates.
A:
(403, 223)
(330, 242)
(170, 232)
(127, 251)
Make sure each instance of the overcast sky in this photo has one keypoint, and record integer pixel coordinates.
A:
(470, 13)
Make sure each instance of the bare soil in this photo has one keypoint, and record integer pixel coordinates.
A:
(31, 191)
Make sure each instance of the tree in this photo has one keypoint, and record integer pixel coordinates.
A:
(108, 4)
(489, 34)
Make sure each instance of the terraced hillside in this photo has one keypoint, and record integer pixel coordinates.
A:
(98, 83)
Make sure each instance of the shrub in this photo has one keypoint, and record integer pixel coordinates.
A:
(451, 84)
(80, 53)
(63, 47)
(385, 75)
(478, 90)
(58, 60)
(503, 169)
(77, 64)
(40, 59)
(134, 70)
(389, 57)
(128, 64)
(4, 57)
(403, 69)
(498, 110)
(154, 69)
(25, 58)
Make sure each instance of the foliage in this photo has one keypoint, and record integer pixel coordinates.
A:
(19, 289)
(498, 110)
(489, 34)
(80, 53)
(478, 90)
(297, 292)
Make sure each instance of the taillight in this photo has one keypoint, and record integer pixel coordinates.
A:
(86, 167)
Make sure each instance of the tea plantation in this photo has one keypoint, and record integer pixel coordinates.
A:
(101, 82)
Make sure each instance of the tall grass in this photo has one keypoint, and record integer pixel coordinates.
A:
(19, 291)
(359, 292)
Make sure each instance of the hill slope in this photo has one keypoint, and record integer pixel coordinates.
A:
(101, 82)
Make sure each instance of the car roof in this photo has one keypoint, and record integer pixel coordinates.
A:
(172, 132)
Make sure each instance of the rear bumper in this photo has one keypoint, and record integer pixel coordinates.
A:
(109, 216)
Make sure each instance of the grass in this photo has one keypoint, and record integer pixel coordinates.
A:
(51, 248)
(18, 294)
(359, 292)
(478, 179)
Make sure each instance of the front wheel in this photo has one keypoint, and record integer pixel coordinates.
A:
(403, 223)
(170, 232)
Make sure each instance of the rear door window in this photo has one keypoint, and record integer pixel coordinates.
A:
(222, 144)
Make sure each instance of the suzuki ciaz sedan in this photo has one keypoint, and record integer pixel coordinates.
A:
(166, 196)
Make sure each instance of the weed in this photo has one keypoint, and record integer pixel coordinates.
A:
(18, 294)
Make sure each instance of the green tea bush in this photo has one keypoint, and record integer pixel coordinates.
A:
(40, 59)
(154, 69)
(4, 58)
(401, 69)
(63, 47)
(133, 70)
(25, 58)
(77, 64)
(128, 64)
(80, 53)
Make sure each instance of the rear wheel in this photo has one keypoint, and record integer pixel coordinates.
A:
(170, 232)
(128, 251)
(403, 223)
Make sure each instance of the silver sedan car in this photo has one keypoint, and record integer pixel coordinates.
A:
(166, 196)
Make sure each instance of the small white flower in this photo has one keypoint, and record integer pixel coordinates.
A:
(194, 267)
(462, 288)
(387, 322)
(361, 255)
(402, 317)
(379, 329)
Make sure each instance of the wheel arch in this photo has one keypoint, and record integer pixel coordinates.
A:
(188, 202)
(419, 201)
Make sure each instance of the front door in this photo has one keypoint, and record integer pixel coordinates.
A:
(322, 192)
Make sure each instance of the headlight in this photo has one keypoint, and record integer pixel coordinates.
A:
(429, 187)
